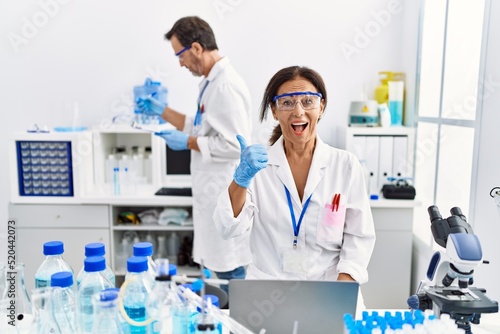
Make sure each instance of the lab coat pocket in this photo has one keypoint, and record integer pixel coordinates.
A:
(331, 227)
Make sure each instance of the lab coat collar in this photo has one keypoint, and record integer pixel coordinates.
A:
(321, 159)
(218, 66)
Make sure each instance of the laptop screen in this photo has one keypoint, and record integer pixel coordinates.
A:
(287, 306)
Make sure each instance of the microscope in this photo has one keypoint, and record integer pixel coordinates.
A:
(461, 301)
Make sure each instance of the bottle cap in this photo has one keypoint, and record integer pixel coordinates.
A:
(95, 249)
(62, 279)
(53, 248)
(137, 264)
(94, 263)
(109, 294)
(143, 249)
(172, 269)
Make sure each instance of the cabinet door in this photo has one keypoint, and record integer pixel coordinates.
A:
(30, 247)
(372, 157)
(385, 160)
(401, 161)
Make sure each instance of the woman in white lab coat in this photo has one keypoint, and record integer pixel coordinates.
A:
(299, 175)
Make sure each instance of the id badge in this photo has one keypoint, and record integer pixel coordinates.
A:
(294, 261)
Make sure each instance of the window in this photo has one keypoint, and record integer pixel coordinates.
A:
(448, 77)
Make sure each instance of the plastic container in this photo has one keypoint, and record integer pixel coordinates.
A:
(93, 282)
(96, 249)
(382, 90)
(64, 301)
(52, 264)
(148, 88)
(111, 164)
(136, 288)
(396, 93)
(107, 318)
(146, 249)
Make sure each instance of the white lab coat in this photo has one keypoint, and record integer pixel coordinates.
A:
(227, 112)
(330, 249)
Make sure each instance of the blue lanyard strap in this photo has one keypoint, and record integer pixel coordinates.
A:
(197, 118)
(296, 227)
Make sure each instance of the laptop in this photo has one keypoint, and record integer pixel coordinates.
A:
(292, 307)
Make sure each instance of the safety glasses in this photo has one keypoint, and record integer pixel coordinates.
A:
(288, 101)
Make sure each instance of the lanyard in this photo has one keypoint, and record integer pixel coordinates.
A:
(296, 227)
(199, 111)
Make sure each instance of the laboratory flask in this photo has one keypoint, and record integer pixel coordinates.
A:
(43, 320)
(163, 299)
(64, 301)
(204, 321)
(52, 264)
(135, 289)
(184, 313)
(93, 282)
(107, 318)
(96, 249)
(18, 308)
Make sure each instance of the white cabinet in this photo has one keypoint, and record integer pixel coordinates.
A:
(75, 225)
(184, 233)
(387, 152)
(389, 270)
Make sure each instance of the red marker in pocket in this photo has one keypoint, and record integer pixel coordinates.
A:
(336, 202)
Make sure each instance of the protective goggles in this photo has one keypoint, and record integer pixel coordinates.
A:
(288, 101)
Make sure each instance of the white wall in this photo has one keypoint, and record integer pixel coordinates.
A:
(55, 53)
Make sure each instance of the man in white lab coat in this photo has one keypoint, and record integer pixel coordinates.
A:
(223, 111)
(305, 202)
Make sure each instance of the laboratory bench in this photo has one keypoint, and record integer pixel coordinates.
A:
(78, 221)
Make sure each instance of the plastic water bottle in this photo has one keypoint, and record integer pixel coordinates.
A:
(96, 249)
(204, 322)
(162, 301)
(52, 264)
(64, 301)
(93, 282)
(107, 318)
(146, 249)
(137, 286)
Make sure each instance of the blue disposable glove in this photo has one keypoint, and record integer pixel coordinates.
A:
(150, 105)
(176, 140)
(253, 158)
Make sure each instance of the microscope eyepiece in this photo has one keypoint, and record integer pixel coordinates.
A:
(434, 213)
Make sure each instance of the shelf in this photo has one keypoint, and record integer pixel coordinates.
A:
(170, 227)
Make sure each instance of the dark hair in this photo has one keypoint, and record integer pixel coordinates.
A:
(192, 29)
(282, 76)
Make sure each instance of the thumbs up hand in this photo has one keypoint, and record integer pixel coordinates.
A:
(253, 158)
